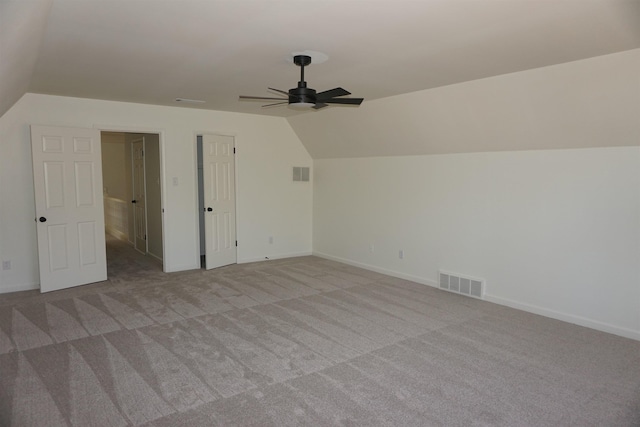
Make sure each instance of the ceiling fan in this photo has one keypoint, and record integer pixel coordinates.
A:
(305, 97)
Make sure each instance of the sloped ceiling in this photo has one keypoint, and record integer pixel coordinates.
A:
(22, 26)
(156, 51)
(582, 104)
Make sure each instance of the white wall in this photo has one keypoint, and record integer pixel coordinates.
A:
(114, 174)
(268, 202)
(555, 232)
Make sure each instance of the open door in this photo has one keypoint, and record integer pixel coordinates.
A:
(139, 195)
(67, 172)
(219, 200)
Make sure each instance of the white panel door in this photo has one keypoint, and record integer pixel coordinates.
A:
(139, 196)
(67, 172)
(219, 200)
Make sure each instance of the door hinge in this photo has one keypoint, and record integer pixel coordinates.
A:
(236, 243)
(145, 237)
(234, 150)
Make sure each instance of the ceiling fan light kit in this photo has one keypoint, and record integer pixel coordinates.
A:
(303, 97)
(301, 105)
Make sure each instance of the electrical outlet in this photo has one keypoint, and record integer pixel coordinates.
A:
(401, 254)
(372, 248)
(271, 240)
(6, 265)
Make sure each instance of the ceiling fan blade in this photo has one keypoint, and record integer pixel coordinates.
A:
(279, 91)
(351, 101)
(276, 103)
(262, 98)
(319, 105)
(331, 93)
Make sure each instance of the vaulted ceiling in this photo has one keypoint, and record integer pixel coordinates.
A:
(424, 67)
(156, 51)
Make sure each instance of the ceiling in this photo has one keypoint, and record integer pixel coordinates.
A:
(156, 51)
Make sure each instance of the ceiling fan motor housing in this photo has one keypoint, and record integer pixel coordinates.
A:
(302, 94)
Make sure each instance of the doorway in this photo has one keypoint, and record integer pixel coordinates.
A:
(216, 200)
(133, 190)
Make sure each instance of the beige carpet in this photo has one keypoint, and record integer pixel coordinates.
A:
(301, 341)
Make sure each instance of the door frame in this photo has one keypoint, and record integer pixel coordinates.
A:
(163, 189)
(234, 135)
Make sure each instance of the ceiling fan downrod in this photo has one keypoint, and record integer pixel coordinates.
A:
(302, 96)
(302, 61)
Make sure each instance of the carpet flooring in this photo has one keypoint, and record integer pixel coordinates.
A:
(300, 341)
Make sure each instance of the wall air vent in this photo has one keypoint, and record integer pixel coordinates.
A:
(301, 174)
(461, 284)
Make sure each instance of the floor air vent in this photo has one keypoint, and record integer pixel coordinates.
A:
(461, 285)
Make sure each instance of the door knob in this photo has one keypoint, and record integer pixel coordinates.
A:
(209, 209)
(42, 219)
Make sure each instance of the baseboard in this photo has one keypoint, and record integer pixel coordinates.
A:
(569, 318)
(154, 256)
(172, 269)
(277, 256)
(385, 271)
(183, 267)
(576, 320)
(19, 288)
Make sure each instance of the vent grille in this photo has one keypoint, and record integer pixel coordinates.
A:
(462, 285)
(301, 173)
